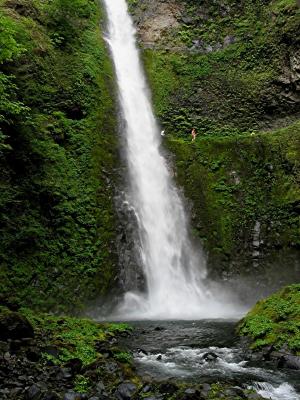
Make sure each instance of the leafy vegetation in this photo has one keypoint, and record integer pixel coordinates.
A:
(227, 76)
(237, 182)
(275, 321)
(74, 337)
(57, 153)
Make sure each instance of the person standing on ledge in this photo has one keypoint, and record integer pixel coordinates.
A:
(194, 134)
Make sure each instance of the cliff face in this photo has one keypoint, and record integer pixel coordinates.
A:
(223, 66)
(57, 152)
(232, 70)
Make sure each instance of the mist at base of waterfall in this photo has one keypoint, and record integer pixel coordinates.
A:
(218, 304)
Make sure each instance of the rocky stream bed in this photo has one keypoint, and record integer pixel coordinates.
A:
(44, 357)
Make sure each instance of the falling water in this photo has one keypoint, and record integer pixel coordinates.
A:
(173, 270)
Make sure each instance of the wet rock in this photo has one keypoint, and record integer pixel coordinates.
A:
(104, 349)
(64, 373)
(15, 345)
(100, 387)
(159, 357)
(205, 389)
(253, 396)
(33, 393)
(210, 356)
(159, 328)
(168, 388)
(50, 396)
(14, 326)
(125, 391)
(75, 365)
(192, 394)
(153, 398)
(142, 351)
(51, 350)
(286, 360)
(74, 396)
(187, 20)
(146, 389)
(228, 40)
(235, 392)
(33, 355)
(4, 347)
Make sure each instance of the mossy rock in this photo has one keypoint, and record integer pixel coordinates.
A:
(275, 321)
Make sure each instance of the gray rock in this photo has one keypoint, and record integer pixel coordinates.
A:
(254, 396)
(74, 396)
(125, 391)
(50, 396)
(100, 388)
(33, 393)
(210, 356)
(228, 40)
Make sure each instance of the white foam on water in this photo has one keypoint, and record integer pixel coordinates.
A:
(173, 268)
(280, 392)
(188, 362)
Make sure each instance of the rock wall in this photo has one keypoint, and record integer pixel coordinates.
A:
(58, 154)
(231, 70)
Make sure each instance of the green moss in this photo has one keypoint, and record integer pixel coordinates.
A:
(235, 182)
(74, 337)
(275, 320)
(58, 154)
(219, 87)
(81, 384)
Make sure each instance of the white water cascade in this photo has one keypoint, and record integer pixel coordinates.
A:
(174, 271)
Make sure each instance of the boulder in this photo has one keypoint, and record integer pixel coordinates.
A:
(14, 326)
(125, 391)
(33, 393)
(210, 357)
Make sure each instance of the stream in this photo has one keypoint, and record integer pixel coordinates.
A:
(181, 350)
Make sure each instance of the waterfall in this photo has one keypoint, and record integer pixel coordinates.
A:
(174, 271)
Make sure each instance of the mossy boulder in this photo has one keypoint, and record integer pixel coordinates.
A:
(14, 326)
(275, 321)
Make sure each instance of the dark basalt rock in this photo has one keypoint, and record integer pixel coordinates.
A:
(50, 396)
(74, 396)
(14, 326)
(75, 365)
(33, 393)
(210, 357)
(168, 388)
(286, 360)
(192, 394)
(125, 391)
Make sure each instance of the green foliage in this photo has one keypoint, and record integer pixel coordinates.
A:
(275, 320)
(123, 357)
(75, 337)
(81, 384)
(10, 48)
(57, 154)
(223, 88)
(235, 181)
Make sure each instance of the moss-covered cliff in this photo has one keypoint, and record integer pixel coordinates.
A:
(231, 70)
(58, 153)
(245, 192)
(275, 321)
